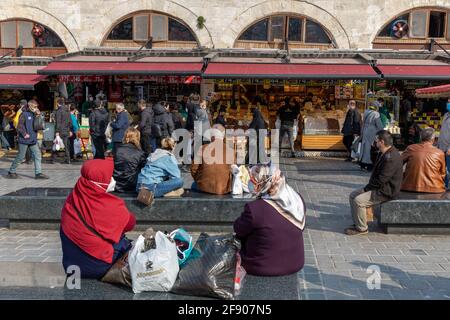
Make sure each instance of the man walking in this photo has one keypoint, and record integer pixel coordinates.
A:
(98, 121)
(63, 128)
(384, 184)
(27, 138)
(351, 128)
(444, 141)
(145, 127)
(288, 113)
(119, 126)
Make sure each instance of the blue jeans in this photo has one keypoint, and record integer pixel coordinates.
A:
(447, 177)
(37, 157)
(153, 143)
(3, 141)
(194, 187)
(160, 189)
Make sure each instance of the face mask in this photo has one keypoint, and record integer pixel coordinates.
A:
(448, 107)
(110, 187)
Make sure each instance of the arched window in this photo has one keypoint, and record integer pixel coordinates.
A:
(136, 29)
(274, 31)
(414, 29)
(35, 38)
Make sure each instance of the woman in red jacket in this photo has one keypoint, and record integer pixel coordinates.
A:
(94, 222)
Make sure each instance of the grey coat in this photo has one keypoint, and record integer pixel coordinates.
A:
(444, 136)
(371, 125)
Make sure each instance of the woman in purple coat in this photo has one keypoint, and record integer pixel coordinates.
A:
(271, 228)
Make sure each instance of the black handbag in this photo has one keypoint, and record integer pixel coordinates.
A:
(38, 123)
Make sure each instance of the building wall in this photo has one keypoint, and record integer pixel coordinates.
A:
(84, 23)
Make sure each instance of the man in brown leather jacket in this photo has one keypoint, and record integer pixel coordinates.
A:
(425, 165)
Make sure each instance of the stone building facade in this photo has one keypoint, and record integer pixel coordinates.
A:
(85, 23)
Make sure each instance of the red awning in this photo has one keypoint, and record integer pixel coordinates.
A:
(425, 72)
(434, 92)
(19, 81)
(220, 70)
(119, 68)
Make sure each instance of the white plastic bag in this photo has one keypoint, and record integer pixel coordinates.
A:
(237, 182)
(295, 130)
(58, 144)
(278, 124)
(77, 146)
(108, 133)
(156, 269)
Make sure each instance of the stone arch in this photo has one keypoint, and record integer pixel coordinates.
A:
(271, 7)
(383, 16)
(112, 15)
(40, 16)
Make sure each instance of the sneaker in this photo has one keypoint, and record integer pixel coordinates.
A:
(41, 176)
(12, 176)
(175, 193)
(355, 232)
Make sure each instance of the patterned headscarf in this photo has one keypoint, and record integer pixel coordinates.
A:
(270, 184)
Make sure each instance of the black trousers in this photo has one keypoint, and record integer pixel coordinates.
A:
(348, 141)
(72, 146)
(146, 144)
(99, 144)
(67, 148)
(114, 148)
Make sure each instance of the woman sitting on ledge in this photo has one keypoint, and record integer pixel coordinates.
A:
(271, 228)
(93, 222)
(161, 174)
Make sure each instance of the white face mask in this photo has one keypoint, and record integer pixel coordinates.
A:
(110, 187)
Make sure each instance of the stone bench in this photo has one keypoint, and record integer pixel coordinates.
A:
(40, 208)
(416, 213)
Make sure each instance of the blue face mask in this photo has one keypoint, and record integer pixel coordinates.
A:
(448, 106)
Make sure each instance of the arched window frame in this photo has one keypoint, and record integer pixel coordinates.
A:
(428, 11)
(150, 15)
(288, 16)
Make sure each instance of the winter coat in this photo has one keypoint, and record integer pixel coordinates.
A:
(26, 126)
(161, 165)
(146, 121)
(371, 125)
(352, 123)
(98, 121)
(203, 117)
(192, 115)
(120, 126)
(164, 120)
(63, 121)
(258, 122)
(128, 162)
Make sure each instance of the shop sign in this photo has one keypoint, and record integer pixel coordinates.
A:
(158, 79)
(78, 79)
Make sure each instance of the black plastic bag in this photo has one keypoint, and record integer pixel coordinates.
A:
(211, 271)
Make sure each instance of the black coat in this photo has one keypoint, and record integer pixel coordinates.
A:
(387, 174)
(63, 121)
(192, 115)
(128, 162)
(258, 122)
(220, 120)
(352, 123)
(98, 121)
(146, 121)
(164, 120)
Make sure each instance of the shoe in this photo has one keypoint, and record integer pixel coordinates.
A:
(12, 176)
(175, 193)
(355, 232)
(348, 160)
(41, 176)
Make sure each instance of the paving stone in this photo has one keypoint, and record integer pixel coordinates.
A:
(382, 259)
(428, 267)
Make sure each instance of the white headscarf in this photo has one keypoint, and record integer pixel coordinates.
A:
(271, 185)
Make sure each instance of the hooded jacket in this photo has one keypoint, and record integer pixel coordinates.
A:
(164, 120)
(161, 165)
(146, 121)
(63, 123)
(98, 121)
(128, 162)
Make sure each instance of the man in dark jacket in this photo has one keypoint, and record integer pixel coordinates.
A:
(27, 138)
(98, 121)
(63, 128)
(119, 126)
(145, 127)
(257, 142)
(192, 106)
(351, 128)
(288, 113)
(384, 184)
(163, 121)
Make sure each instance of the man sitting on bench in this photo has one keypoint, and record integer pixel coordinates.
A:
(384, 183)
(425, 165)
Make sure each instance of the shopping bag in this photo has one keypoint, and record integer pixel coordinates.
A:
(119, 273)
(278, 124)
(295, 130)
(237, 182)
(210, 270)
(240, 275)
(58, 144)
(155, 269)
(108, 133)
(184, 244)
(77, 146)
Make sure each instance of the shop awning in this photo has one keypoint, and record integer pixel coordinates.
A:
(434, 92)
(19, 81)
(219, 70)
(400, 69)
(122, 68)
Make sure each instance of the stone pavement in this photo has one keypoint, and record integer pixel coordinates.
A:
(411, 266)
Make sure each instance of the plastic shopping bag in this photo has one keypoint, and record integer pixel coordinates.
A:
(77, 146)
(240, 275)
(210, 270)
(153, 269)
(278, 124)
(108, 133)
(58, 144)
(184, 244)
(237, 182)
(295, 130)
(356, 148)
